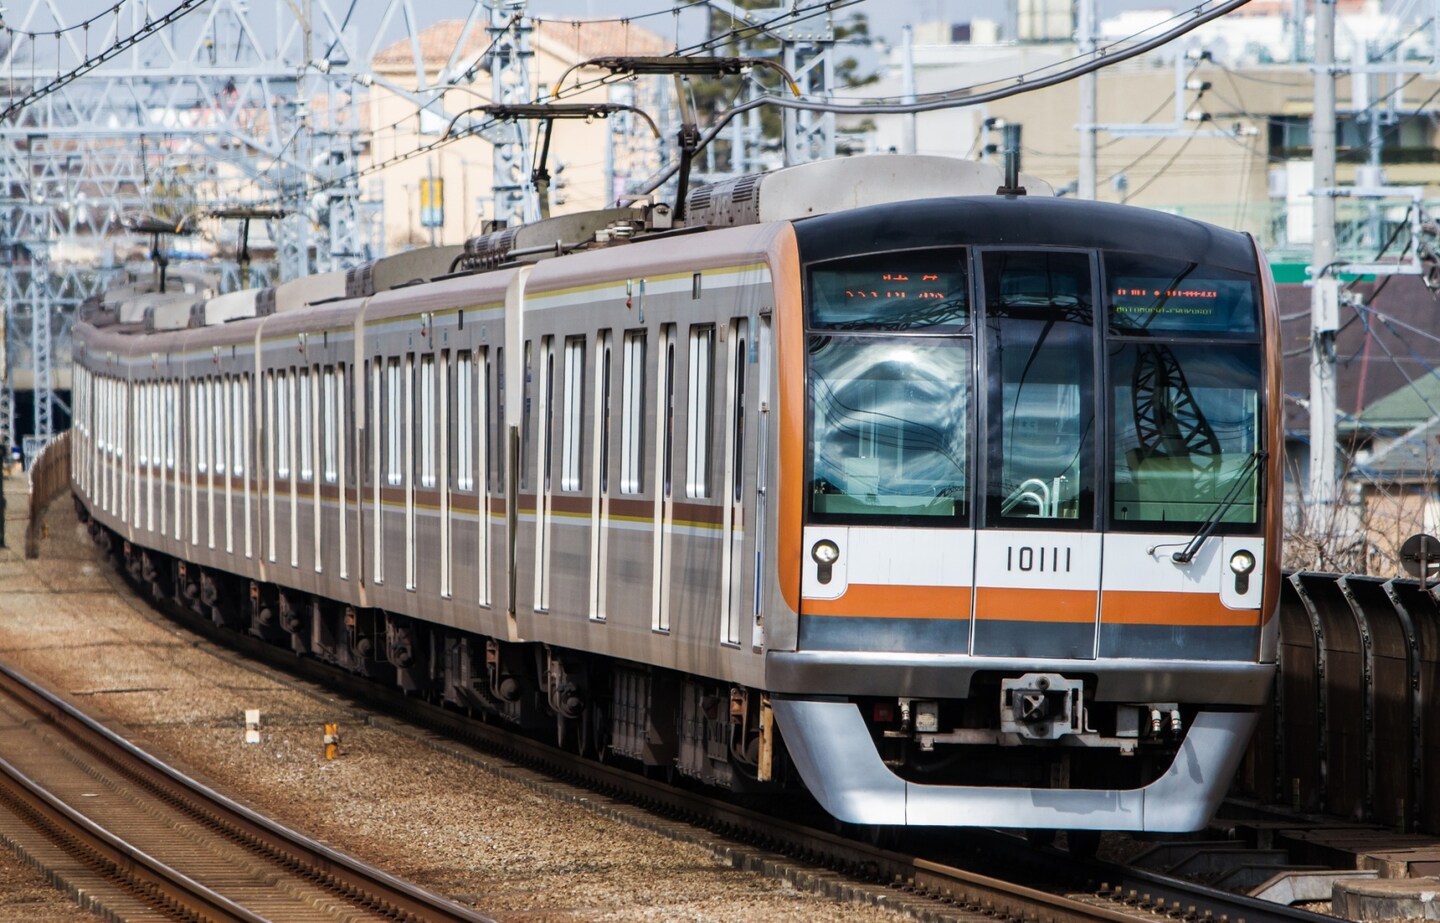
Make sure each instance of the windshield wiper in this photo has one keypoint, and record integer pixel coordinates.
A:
(1207, 528)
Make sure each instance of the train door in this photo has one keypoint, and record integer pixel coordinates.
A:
(333, 457)
(737, 486)
(664, 503)
(271, 457)
(206, 446)
(483, 441)
(1037, 558)
(762, 473)
(408, 435)
(147, 402)
(292, 456)
(544, 421)
(225, 467)
(174, 454)
(313, 421)
(600, 478)
(244, 465)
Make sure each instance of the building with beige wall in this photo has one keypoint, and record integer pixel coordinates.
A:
(588, 170)
(1236, 152)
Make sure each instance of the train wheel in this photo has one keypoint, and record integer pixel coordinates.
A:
(565, 732)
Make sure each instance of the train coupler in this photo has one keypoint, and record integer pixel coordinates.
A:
(1042, 706)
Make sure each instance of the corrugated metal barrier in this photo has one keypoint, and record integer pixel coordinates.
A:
(49, 477)
(1353, 730)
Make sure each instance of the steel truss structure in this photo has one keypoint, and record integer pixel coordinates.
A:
(236, 104)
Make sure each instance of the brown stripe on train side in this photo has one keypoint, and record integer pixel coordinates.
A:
(702, 513)
(887, 601)
(570, 503)
(1142, 607)
(1009, 604)
(634, 509)
(468, 504)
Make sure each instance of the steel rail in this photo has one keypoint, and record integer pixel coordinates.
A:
(350, 879)
(133, 869)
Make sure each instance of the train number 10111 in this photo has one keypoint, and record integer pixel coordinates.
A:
(1053, 558)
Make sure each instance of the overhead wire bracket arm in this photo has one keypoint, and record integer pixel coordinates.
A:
(688, 65)
(548, 113)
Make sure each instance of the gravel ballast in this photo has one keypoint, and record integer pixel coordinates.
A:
(442, 821)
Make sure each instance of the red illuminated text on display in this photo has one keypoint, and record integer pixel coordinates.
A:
(1168, 293)
(899, 294)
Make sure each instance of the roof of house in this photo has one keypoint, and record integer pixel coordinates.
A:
(1405, 408)
(1414, 456)
(575, 40)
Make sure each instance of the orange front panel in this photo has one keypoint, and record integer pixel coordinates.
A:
(895, 602)
(784, 258)
(1133, 607)
(1035, 605)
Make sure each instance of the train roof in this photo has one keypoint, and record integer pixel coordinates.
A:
(838, 208)
(1037, 221)
(842, 184)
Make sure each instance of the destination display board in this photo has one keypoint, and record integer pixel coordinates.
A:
(1148, 295)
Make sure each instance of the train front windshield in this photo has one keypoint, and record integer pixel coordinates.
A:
(890, 378)
(925, 377)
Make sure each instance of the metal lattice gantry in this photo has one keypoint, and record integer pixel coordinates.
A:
(228, 107)
(510, 84)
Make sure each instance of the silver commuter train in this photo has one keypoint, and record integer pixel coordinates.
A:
(960, 510)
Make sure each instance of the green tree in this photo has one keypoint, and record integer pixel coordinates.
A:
(727, 35)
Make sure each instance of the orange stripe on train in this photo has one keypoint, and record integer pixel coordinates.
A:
(1011, 604)
(883, 601)
(1135, 607)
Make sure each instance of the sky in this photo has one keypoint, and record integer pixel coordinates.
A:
(886, 17)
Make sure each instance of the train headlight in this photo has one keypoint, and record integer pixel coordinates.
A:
(1242, 562)
(825, 552)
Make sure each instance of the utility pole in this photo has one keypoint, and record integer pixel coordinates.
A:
(1088, 83)
(1324, 296)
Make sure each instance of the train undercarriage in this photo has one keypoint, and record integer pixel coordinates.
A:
(714, 733)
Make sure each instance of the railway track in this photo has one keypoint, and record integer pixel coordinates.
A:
(149, 842)
(950, 875)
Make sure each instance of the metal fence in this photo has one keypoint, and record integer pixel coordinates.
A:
(1352, 731)
(49, 478)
